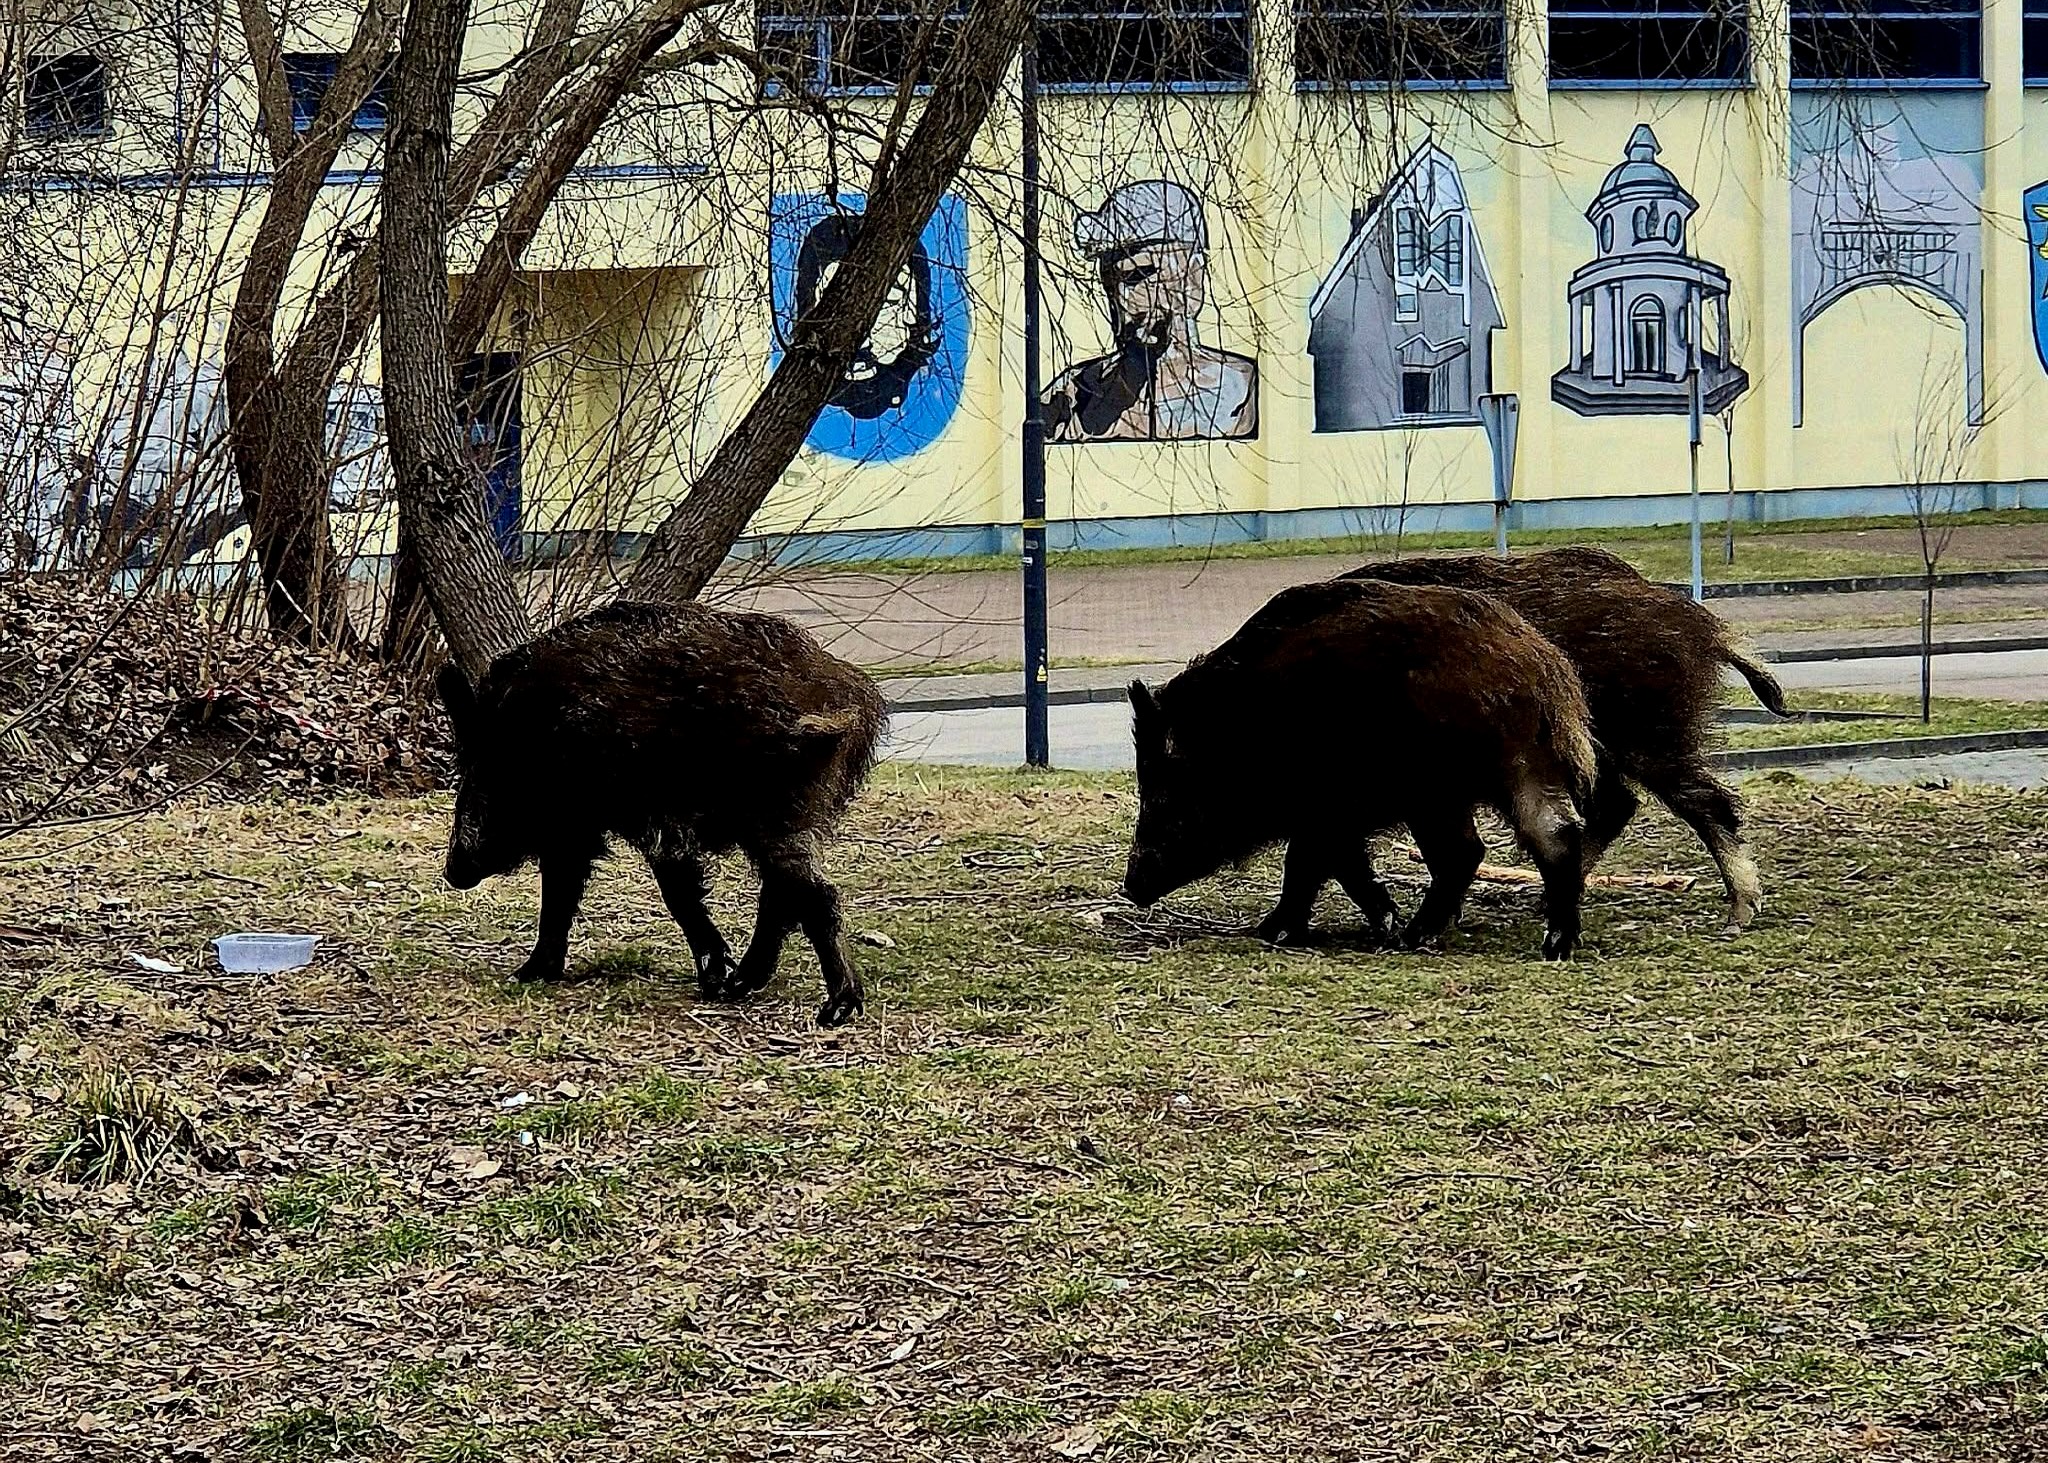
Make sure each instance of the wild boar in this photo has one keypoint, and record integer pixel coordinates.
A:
(686, 732)
(1342, 709)
(1650, 660)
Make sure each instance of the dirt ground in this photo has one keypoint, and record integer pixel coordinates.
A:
(1083, 1183)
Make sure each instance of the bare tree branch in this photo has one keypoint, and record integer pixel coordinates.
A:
(273, 92)
(559, 155)
(693, 540)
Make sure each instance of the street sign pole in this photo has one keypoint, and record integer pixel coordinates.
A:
(1037, 736)
(1500, 413)
(1699, 589)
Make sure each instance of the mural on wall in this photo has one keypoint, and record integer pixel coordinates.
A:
(1884, 192)
(904, 384)
(1401, 329)
(1149, 244)
(1645, 312)
(2035, 208)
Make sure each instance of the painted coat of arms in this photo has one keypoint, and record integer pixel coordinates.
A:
(2035, 208)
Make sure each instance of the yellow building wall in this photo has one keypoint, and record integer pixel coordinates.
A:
(644, 316)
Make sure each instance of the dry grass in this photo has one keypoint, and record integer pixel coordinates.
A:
(1124, 1185)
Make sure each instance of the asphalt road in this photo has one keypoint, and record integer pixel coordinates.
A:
(1098, 735)
(2005, 675)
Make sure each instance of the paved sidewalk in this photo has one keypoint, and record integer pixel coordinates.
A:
(2010, 674)
(1164, 613)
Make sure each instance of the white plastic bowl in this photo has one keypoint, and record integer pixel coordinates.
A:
(264, 953)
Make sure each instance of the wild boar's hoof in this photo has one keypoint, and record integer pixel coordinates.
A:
(718, 979)
(1275, 930)
(1383, 929)
(541, 967)
(840, 1009)
(1557, 945)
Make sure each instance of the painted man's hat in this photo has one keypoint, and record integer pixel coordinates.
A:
(1141, 214)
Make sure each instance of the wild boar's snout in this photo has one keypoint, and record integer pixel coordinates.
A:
(463, 871)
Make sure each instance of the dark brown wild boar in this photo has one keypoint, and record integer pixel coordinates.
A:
(686, 732)
(1343, 709)
(1651, 661)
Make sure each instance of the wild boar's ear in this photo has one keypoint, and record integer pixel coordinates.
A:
(456, 695)
(1141, 700)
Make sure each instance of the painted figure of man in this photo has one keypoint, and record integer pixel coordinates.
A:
(1150, 247)
(905, 339)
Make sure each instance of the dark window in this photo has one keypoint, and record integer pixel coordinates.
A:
(1648, 42)
(1886, 40)
(2035, 19)
(308, 74)
(64, 96)
(1415, 384)
(837, 45)
(1086, 45)
(1646, 338)
(1399, 42)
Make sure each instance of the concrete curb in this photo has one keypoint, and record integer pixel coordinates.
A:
(1090, 695)
(1757, 758)
(990, 700)
(1866, 583)
(1901, 650)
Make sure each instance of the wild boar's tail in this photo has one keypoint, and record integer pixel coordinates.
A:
(836, 723)
(1761, 681)
(1572, 734)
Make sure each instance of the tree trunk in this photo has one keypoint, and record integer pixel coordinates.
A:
(406, 622)
(278, 440)
(694, 539)
(1927, 647)
(440, 491)
(277, 431)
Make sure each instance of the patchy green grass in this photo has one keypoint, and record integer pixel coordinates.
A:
(1895, 716)
(306, 1434)
(1124, 1184)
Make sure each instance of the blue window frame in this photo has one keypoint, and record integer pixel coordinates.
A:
(2035, 21)
(64, 97)
(1649, 43)
(1083, 45)
(1418, 44)
(1887, 42)
(308, 74)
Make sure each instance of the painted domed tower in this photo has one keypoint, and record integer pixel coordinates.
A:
(1645, 312)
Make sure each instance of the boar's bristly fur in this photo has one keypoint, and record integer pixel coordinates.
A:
(1651, 662)
(686, 732)
(1343, 709)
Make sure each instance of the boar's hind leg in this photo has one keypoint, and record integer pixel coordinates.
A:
(795, 893)
(1708, 807)
(773, 921)
(684, 885)
(562, 880)
(1452, 851)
